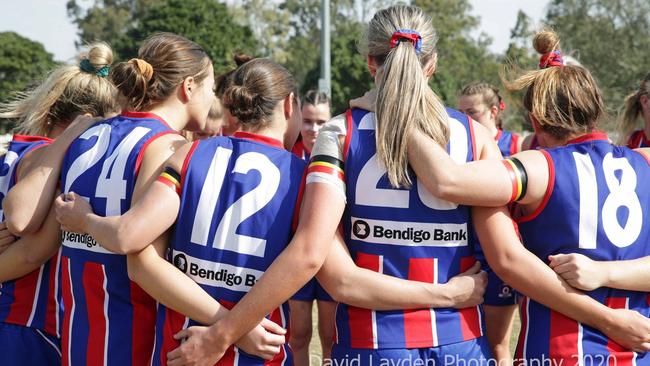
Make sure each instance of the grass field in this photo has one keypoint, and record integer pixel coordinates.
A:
(315, 350)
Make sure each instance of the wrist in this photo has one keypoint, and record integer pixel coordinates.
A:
(607, 274)
(444, 295)
(218, 333)
(605, 319)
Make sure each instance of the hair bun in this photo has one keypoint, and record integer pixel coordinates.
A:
(100, 55)
(545, 41)
(241, 58)
(242, 103)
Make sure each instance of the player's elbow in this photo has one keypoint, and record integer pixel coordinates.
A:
(19, 225)
(339, 288)
(502, 264)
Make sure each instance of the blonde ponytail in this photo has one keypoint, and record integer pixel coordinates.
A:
(67, 91)
(405, 103)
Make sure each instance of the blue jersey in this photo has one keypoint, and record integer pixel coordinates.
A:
(238, 202)
(405, 233)
(596, 205)
(32, 300)
(508, 142)
(107, 318)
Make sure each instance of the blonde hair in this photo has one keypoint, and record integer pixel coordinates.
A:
(565, 100)
(164, 61)
(405, 103)
(632, 110)
(67, 92)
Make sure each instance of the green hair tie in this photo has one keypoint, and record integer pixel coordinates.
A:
(86, 66)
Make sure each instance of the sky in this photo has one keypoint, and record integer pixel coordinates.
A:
(46, 21)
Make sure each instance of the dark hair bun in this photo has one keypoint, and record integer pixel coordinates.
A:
(242, 103)
(241, 58)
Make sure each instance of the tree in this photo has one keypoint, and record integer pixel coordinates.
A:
(126, 23)
(22, 61)
(520, 55)
(106, 20)
(350, 76)
(611, 38)
(461, 59)
(205, 22)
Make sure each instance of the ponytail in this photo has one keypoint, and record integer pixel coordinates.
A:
(405, 102)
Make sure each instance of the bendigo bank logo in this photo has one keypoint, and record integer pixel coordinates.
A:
(410, 233)
(216, 274)
(361, 229)
(180, 261)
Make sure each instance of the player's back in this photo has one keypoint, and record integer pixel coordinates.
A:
(31, 300)
(596, 205)
(406, 233)
(106, 316)
(238, 203)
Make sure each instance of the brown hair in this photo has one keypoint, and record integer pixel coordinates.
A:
(315, 97)
(489, 96)
(257, 87)
(565, 100)
(67, 92)
(632, 110)
(171, 59)
(223, 81)
(405, 102)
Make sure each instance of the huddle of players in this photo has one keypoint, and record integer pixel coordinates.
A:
(156, 239)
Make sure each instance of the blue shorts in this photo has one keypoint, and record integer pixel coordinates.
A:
(474, 352)
(312, 291)
(497, 292)
(28, 346)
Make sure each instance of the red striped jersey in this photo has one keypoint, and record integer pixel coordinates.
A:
(108, 320)
(597, 205)
(638, 139)
(508, 142)
(406, 233)
(238, 203)
(31, 300)
(300, 151)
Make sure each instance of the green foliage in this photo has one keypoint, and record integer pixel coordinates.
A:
(350, 76)
(22, 62)
(518, 56)
(461, 59)
(206, 22)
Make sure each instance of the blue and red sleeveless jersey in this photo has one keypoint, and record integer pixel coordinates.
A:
(508, 142)
(597, 205)
(300, 151)
(32, 300)
(638, 139)
(238, 204)
(406, 233)
(107, 318)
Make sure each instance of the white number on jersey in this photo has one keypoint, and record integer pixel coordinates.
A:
(111, 184)
(621, 194)
(368, 194)
(226, 237)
